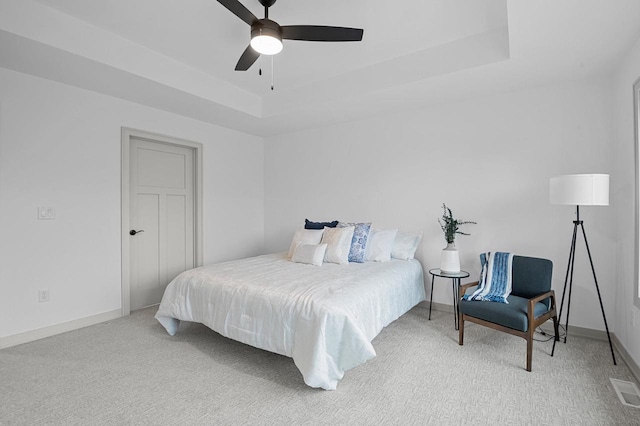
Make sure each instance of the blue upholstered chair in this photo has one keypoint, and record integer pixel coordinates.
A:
(531, 303)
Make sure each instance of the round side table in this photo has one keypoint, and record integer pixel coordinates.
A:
(455, 280)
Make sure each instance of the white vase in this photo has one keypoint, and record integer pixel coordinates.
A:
(450, 260)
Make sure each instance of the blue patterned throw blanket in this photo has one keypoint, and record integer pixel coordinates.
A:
(495, 278)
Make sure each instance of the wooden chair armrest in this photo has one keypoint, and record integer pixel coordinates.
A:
(549, 294)
(465, 287)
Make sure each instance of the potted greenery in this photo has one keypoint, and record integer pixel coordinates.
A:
(450, 259)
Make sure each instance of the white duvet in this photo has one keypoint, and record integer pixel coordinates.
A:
(324, 317)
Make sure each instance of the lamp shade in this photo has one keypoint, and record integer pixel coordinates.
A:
(580, 190)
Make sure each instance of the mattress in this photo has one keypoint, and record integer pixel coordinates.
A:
(324, 317)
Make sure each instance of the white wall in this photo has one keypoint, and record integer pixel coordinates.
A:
(624, 198)
(60, 147)
(488, 159)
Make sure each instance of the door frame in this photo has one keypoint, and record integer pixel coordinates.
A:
(126, 135)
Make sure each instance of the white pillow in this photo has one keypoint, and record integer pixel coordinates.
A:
(304, 236)
(379, 245)
(405, 245)
(338, 242)
(312, 254)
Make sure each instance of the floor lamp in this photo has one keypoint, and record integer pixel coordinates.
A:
(580, 190)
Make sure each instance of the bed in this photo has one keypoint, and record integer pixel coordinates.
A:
(324, 317)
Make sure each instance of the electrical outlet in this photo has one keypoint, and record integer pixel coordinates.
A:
(43, 295)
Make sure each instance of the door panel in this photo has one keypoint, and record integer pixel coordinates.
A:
(176, 236)
(146, 269)
(162, 204)
(161, 169)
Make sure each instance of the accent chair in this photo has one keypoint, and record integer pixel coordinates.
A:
(531, 303)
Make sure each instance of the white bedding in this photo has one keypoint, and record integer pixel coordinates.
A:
(324, 317)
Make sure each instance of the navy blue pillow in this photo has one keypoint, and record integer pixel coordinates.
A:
(319, 225)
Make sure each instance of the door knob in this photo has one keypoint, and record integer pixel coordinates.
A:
(134, 232)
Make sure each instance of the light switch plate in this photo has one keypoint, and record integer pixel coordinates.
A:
(46, 213)
(43, 295)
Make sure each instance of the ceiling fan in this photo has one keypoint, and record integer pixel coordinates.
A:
(267, 35)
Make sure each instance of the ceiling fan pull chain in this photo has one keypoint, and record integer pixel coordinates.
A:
(271, 72)
(260, 69)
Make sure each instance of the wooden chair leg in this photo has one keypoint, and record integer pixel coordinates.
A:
(460, 329)
(529, 350)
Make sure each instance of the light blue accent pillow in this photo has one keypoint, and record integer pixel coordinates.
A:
(359, 240)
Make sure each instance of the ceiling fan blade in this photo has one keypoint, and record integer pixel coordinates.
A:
(239, 10)
(321, 33)
(249, 56)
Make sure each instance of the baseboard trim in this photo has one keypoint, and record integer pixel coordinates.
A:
(626, 357)
(442, 307)
(574, 330)
(52, 330)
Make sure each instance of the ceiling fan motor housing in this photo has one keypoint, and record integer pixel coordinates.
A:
(266, 27)
(267, 3)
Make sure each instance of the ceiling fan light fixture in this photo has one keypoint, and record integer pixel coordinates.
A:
(266, 38)
(266, 45)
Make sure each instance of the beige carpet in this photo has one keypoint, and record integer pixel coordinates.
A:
(130, 371)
